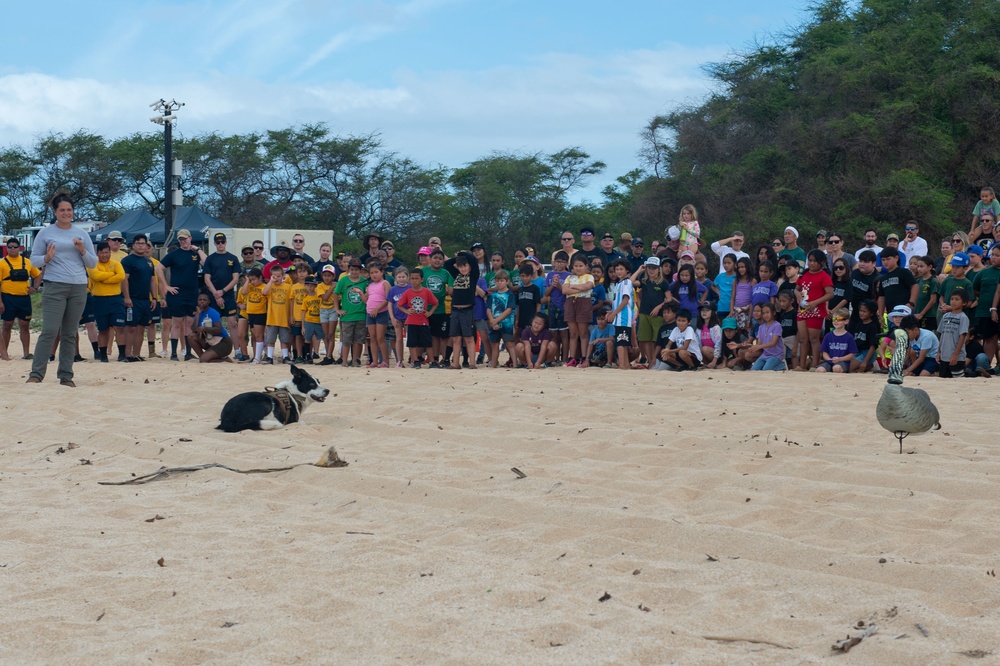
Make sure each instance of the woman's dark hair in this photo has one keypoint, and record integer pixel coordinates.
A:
(60, 197)
(676, 286)
(749, 266)
(847, 269)
(713, 319)
(772, 256)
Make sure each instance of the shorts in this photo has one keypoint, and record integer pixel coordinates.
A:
(327, 315)
(557, 319)
(257, 319)
(228, 304)
(109, 311)
(381, 319)
(296, 330)
(312, 331)
(790, 342)
(353, 332)
(483, 327)
(277, 333)
(88, 311)
(649, 326)
(986, 327)
(812, 323)
(860, 357)
(600, 355)
(182, 304)
(156, 316)
(16, 307)
(223, 347)
(929, 364)
(579, 310)
(623, 336)
(439, 325)
(844, 365)
(418, 337)
(141, 314)
(462, 323)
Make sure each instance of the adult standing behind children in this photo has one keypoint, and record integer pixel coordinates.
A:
(65, 253)
(913, 245)
(221, 274)
(722, 248)
(791, 248)
(609, 254)
(16, 275)
(871, 243)
(835, 251)
(182, 294)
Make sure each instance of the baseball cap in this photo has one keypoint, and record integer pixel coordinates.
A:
(687, 253)
(974, 249)
(793, 230)
(707, 305)
(329, 269)
(423, 250)
(674, 233)
(311, 280)
(637, 241)
(184, 233)
(960, 259)
(729, 322)
(116, 235)
(894, 237)
(608, 234)
(355, 263)
(626, 237)
(653, 261)
(434, 240)
(587, 230)
(477, 245)
(13, 241)
(822, 232)
(220, 237)
(386, 244)
(901, 311)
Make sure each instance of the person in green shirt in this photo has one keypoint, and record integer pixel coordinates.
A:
(925, 309)
(792, 249)
(439, 281)
(984, 286)
(959, 265)
(351, 307)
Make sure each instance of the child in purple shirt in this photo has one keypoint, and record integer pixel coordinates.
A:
(838, 346)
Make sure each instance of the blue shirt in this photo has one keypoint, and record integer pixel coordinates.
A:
(725, 285)
(210, 317)
(925, 340)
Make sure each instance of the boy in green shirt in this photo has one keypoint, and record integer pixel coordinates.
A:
(959, 265)
(351, 308)
(439, 281)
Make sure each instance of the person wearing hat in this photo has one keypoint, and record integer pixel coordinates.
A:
(821, 240)
(184, 262)
(625, 244)
(478, 251)
(299, 247)
(390, 252)
(735, 342)
(116, 242)
(588, 245)
(221, 273)
(16, 287)
(371, 243)
(673, 247)
(282, 257)
(652, 289)
(792, 249)
(958, 278)
(977, 257)
(636, 258)
(248, 261)
(608, 253)
(891, 241)
(897, 286)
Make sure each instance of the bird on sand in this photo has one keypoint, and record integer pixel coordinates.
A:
(901, 410)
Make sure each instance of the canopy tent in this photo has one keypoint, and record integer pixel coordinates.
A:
(192, 218)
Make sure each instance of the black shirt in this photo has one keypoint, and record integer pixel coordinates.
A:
(140, 272)
(789, 323)
(184, 266)
(842, 291)
(219, 267)
(529, 296)
(663, 335)
(463, 291)
(651, 294)
(865, 335)
(895, 287)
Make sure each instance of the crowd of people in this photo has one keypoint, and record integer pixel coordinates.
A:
(606, 303)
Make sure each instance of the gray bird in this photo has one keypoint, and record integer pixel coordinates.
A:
(904, 411)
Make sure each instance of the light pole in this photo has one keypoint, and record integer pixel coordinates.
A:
(171, 172)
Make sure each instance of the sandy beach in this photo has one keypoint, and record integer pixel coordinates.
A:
(724, 518)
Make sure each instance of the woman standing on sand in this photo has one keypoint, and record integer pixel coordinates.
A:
(65, 253)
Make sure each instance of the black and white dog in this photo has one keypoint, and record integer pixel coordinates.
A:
(273, 407)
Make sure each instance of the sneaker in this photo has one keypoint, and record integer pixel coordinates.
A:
(256, 361)
(308, 360)
(124, 359)
(238, 356)
(287, 361)
(416, 366)
(984, 372)
(28, 357)
(189, 357)
(433, 364)
(78, 359)
(327, 361)
(298, 359)
(571, 363)
(164, 353)
(173, 357)
(339, 361)
(33, 380)
(67, 382)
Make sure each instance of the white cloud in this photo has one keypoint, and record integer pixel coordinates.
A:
(448, 117)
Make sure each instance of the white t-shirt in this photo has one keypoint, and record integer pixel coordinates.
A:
(876, 249)
(917, 248)
(677, 336)
(619, 290)
(723, 250)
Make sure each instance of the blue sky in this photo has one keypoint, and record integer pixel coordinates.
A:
(442, 81)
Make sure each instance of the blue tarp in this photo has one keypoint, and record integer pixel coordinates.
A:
(192, 218)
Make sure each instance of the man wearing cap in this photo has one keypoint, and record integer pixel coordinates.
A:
(821, 240)
(282, 257)
(897, 286)
(16, 287)
(892, 240)
(115, 242)
(636, 258)
(672, 249)
(393, 263)
(871, 243)
(182, 294)
(371, 243)
(608, 252)
(587, 245)
(913, 245)
(221, 275)
(625, 244)
(792, 249)
(722, 248)
(299, 248)
(247, 254)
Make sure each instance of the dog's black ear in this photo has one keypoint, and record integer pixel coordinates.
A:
(295, 371)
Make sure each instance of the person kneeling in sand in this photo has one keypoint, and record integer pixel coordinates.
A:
(536, 347)
(208, 339)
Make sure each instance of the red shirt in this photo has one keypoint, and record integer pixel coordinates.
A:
(418, 303)
(813, 286)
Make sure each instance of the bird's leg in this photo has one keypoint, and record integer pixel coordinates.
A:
(901, 435)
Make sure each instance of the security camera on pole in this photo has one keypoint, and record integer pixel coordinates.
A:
(173, 196)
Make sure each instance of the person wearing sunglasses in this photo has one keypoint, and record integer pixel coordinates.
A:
(221, 274)
(835, 252)
(565, 245)
(913, 245)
